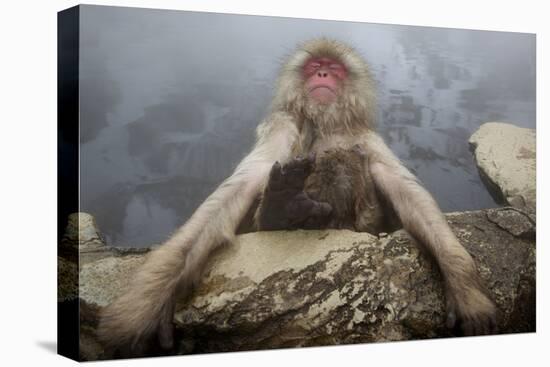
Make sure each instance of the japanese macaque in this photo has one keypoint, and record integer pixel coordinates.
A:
(324, 101)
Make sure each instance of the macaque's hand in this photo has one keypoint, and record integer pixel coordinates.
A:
(471, 311)
(292, 176)
(285, 203)
(121, 322)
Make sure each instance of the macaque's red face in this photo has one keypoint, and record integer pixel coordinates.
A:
(324, 77)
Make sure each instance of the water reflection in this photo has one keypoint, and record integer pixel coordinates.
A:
(170, 100)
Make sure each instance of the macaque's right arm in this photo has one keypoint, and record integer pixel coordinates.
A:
(147, 307)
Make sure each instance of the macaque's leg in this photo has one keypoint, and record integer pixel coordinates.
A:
(468, 303)
(369, 219)
(145, 310)
(284, 204)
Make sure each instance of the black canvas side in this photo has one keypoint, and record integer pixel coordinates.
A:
(67, 178)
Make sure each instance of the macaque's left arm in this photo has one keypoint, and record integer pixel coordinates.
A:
(466, 297)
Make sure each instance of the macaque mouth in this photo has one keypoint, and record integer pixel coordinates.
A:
(322, 87)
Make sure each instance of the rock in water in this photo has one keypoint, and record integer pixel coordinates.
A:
(505, 155)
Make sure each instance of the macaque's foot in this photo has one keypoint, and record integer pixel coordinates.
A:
(471, 311)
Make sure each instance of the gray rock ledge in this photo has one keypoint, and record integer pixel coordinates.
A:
(328, 287)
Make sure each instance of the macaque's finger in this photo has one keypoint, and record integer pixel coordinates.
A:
(275, 180)
(451, 319)
(300, 165)
(166, 335)
(468, 328)
(276, 171)
(493, 324)
(166, 328)
(488, 325)
(486, 328)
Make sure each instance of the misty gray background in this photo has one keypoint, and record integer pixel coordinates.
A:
(169, 101)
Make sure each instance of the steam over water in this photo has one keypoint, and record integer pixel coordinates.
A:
(169, 101)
